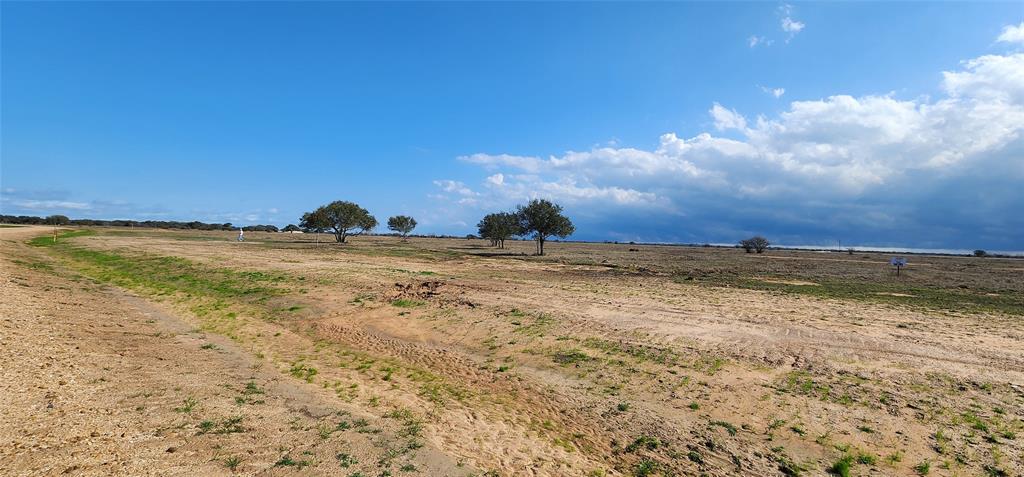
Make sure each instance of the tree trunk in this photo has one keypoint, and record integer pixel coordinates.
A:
(540, 246)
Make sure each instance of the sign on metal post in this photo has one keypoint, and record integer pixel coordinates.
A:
(898, 263)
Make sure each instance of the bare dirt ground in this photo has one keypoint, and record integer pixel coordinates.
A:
(600, 359)
(98, 382)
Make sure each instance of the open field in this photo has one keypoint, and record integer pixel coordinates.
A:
(171, 352)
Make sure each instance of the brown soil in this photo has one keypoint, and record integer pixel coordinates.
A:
(594, 361)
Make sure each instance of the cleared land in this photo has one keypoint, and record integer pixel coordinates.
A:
(175, 352)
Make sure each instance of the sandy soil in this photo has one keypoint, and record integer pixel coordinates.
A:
(99, 382)
(594, 362)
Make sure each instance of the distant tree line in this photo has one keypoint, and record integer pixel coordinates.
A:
(538, 219)
(156, 224)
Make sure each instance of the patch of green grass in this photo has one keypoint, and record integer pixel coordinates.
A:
(303, 371)
(695, 457)
(404, 303)
(34, 265)
(842, 466)
(645, 468)
(287, 461)
(643, 442)
(163, 275)
(206, 426)
(640, 352)
(47, 240)
(346, 460)
(232, 462)
(866, 458)
(923, 468)
(731, 429)
(188, 405)
(568, 357)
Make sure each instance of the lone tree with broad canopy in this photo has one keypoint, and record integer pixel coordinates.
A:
(342, 217)
(58, 220)
(756, 243)
(542, 219)
(499, 227)
(403, 224)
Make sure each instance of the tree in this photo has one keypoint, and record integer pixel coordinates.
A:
(343, 217)
(315, 221)
(291, 228)
(58, 220)
(499, 227)
(543, 219)
(980, 253)
(403, 224)
(756, 243)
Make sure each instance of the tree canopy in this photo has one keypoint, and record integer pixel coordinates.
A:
(403, 224)
(315, 221)
(343, 217)
(756, 243)
(498, 227)
(58, 220)
(542, 219)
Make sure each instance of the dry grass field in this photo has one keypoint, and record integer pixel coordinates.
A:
(185, 353)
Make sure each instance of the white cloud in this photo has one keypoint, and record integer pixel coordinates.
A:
(787, 23)
(1012, 34)
(51, 205)
(520, 162)
(455, 187)
(496, 179)
(727, 118)
(790, 25)
(872, 155)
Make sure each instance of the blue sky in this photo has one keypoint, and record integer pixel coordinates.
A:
(871, 123)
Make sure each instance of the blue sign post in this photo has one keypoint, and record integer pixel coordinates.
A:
(898, 263)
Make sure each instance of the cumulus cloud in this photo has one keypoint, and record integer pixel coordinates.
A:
(1012, 34)
(727, 118)
(946, 168)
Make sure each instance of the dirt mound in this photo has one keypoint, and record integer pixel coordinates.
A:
(441, 293)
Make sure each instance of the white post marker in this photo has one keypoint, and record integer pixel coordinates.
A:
(241, 234)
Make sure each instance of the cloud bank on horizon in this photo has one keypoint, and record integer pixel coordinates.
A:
(871, 169)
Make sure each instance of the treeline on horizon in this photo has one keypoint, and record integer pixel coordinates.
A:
(486, 228)
(169, 224)
(156, 224)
